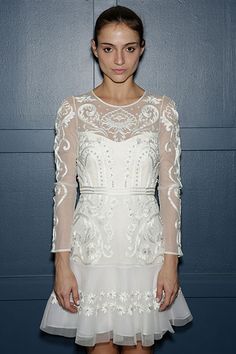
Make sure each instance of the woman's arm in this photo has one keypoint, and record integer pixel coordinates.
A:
(169, 183)
(169, 186)
(65, 193)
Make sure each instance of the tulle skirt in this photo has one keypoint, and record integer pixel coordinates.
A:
(118, 303)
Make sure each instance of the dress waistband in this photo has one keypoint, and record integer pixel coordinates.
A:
(114, 190)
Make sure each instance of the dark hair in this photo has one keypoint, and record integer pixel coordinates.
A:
(119, 14)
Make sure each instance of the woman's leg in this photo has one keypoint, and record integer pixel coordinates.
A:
(104, 348)
(137, 349)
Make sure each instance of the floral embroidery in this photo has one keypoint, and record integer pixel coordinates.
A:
(123, 302)
(144, 231)
(90, 240)
(88, 112)
(118, 124)
(149, 115)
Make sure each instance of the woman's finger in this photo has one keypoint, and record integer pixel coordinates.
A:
(66, 300)
(60, 300)
(173, 296)
(172, 299)
(166, 302)
(75, 295)
(159, 293)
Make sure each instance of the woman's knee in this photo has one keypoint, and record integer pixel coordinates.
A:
(136, 349)
(104, 348)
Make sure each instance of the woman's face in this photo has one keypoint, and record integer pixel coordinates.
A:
(118, 48)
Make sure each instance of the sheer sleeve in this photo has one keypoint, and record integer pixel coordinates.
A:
(169, 180)
(65, 190)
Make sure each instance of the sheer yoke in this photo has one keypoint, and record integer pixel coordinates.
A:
(118, 232)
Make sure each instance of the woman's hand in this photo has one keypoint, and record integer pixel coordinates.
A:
(65, 283)
(168, 281)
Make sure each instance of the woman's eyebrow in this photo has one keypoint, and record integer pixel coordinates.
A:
(114, 45)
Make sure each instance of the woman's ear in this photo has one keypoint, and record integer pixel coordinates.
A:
(93, 47)
(142, 49)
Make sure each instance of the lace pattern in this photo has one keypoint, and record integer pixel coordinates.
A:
(133, 146)
(118, 124)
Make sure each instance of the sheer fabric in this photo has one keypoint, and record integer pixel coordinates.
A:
(65, 191)
(116, 303)
(169, 183)
(118, 232)
(87, 113)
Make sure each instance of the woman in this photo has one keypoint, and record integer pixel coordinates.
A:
(116, 285)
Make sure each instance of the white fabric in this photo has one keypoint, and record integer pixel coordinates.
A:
(136, 145)
(116, 302)
(118, 232)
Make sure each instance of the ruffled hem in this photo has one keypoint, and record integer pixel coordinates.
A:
(119, 339)
(118, 303)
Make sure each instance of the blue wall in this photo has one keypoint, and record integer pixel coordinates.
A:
(190, 56)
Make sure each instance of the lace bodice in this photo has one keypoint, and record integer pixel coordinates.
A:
(110, 146)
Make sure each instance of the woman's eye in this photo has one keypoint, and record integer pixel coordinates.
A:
(106, 49)
(133, 49)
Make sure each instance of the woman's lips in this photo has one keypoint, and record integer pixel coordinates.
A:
(119, 71)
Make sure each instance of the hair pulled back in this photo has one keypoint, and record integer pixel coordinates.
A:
(119, 14)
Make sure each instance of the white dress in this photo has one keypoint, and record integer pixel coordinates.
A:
(118, 232)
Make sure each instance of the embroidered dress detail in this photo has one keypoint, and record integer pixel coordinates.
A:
(122, 302)
(124, 161)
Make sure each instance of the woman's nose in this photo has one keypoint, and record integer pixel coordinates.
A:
(119, 58)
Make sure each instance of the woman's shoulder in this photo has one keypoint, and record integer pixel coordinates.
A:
(83, 96)
(165, 99)
(166, 104)
(76, 97)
